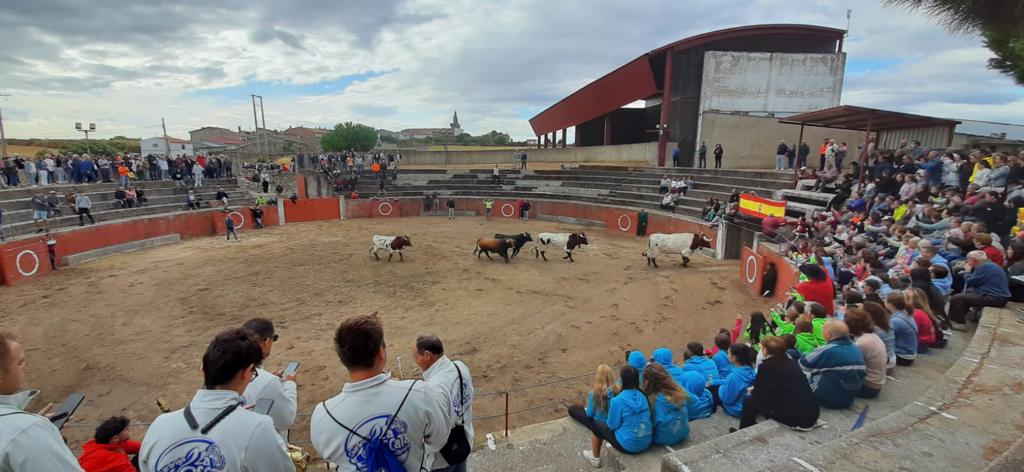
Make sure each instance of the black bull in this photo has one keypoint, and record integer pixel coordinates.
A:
(520, 239)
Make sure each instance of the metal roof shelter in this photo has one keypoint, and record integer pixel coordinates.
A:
(872, 120)
(673, 74)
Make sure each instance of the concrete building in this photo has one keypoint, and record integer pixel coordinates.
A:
(761, 70)
(1006, 137)
(304, 132)
(158, 147)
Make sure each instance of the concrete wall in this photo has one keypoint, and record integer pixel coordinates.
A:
(750, 141)
(642, 152)
(771, 82)
(933, 137)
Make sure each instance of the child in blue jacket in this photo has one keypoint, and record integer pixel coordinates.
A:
(702, 402)
(668, 400)
(721, 358)
(731, 391)
(663, 356)
(697, 362)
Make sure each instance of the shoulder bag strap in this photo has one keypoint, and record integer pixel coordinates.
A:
(462, 395)
(386, 428)
(193, 424)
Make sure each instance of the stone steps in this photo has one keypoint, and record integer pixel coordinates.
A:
(100, 206)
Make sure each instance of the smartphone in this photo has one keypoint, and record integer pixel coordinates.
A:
(290, 369)
(63, 414)
(263, 406)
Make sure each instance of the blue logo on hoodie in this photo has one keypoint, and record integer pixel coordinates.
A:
(192, 454)
(395, 438)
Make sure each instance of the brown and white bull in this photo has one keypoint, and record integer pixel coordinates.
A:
(567, 242)
(498, 246)
(679, 243)
(392, 244)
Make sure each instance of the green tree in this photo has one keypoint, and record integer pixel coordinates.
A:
(999, 22)
(349, 135)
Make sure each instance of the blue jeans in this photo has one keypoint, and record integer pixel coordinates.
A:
(780, 161)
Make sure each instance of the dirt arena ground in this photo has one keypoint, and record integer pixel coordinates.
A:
(129, 328)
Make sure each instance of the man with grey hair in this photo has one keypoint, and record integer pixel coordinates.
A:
(836, 370)
(454, 386)
(985, 284)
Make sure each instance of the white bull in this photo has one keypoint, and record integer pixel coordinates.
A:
(567, 242)
(679, 243)
(391, 244)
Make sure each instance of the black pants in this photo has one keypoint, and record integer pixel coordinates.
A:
(703, 162)
(82, 213)
(231, 232)
(821, 158)
(750, 412)
(903, 361)
(961, 302)
(718, 163)
(599, 428)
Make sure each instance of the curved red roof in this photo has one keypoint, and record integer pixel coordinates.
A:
(636, 81)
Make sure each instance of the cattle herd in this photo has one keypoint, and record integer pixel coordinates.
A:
(508, 245)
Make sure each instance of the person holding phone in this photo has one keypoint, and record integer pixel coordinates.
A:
(27, 441)
(272, 385)
(214, 428)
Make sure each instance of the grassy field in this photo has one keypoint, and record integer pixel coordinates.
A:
(23, 151)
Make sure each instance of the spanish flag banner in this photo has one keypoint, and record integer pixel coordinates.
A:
(761, 207)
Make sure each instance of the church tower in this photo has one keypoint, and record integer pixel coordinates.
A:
(456, 128)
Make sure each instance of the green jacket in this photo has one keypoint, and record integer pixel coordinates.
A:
(782, 326)
(806, 342)
(819, 323)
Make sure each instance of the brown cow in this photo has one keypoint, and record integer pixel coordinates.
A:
(499, 246)
(391, 244)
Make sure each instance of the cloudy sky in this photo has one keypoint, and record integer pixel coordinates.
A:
(396, 64)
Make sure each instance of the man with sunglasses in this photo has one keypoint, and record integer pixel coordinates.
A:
(215, 431)
(270, 385)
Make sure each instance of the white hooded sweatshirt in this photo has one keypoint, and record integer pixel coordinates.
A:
(445, 379)
(419, 430)
(284, 394)
(28, 441)
(243, 441)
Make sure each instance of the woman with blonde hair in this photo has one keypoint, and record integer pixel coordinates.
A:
(927, 334)
(668, 404)
(598, 397)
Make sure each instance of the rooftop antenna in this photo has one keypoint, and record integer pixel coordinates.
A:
(849, 11)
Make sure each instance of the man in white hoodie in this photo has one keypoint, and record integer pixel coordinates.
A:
(271, 385)
(28, 442)
(215, 431)
(453, 383)
(407, 417)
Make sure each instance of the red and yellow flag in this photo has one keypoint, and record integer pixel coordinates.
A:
(761, 207)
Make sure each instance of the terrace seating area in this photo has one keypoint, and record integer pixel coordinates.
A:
(162, 197)
(633, 187)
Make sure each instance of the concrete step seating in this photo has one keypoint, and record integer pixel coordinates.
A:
(957, 408)
(163, 197)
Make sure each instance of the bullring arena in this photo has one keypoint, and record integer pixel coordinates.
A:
(127, 329)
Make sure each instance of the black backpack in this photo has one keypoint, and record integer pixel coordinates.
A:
(457, 449)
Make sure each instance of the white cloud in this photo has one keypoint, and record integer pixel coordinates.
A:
(126, 64)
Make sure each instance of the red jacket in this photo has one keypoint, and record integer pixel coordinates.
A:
(108, 457)
(819, 291)
(925, 328)
(994, 254)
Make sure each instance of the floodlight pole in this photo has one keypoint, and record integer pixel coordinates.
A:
(3, 138)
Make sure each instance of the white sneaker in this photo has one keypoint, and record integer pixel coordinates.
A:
(594, 461)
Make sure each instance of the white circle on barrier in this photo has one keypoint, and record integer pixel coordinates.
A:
(239, 225)
(512, 210)
(748, 271)
(17, 263)
(629, 222)
(381, 205)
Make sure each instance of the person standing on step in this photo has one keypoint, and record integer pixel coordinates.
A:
(451, 208)
(718, 156)
(702, 155)
(780, 156)
(83, 206)
(215, 429)
(452, 381)
(524, 211)
(496, 176)
(522, 160)
(403, 422)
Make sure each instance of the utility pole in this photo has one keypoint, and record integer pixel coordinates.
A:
(256, 122)
(3, 138)
(167, 142)
(263, 118)
(256, 125)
